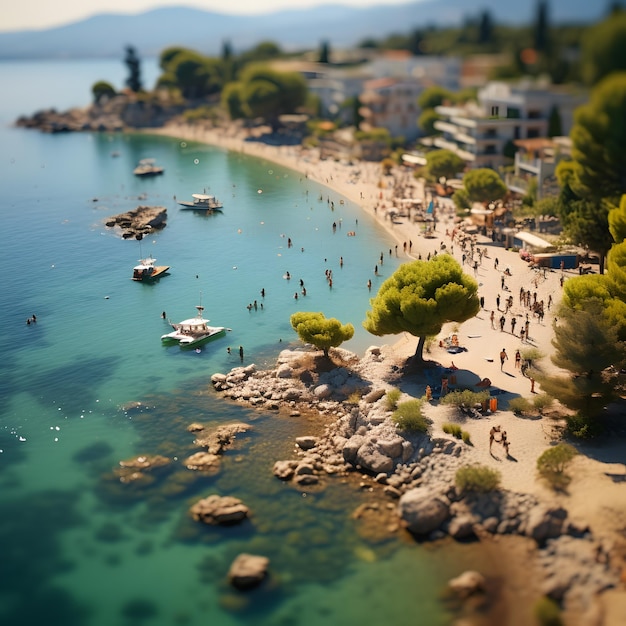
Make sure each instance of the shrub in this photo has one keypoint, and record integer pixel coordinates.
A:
(519, 405)
(542, 402)
(477, 478)
(553, 462)
(531, 354)
(452, 429)
(392, 397)
(583, 427)
(465, 436)
(547, 612)
(355, 397)
(408, 416)
(465, 397)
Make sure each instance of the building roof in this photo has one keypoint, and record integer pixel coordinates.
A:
(534, 144)
(532, 240)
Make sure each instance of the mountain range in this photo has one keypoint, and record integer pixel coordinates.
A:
(106, 35)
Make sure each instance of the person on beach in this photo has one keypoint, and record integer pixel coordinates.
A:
(513, 323)
(492, 435)
(492, 318)
(502, 323)
(503, 357)
(518, 359)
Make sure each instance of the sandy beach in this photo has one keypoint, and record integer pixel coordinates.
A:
(597, 493)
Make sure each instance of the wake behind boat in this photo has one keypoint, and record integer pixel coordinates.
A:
(202, 202)
(147, 270)
(193, 332)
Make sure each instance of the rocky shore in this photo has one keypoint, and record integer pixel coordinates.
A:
(139, 222)
(416, 472)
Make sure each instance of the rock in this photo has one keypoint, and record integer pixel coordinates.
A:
(371, 458)
(307, 442)
(306, 479)
(219, 510)
(545, 523)
(374, 395)
(145, 462)
(468, 584)
(139, 221)
(391, 447)
(284, 469)
(195, 427)
(284, 371)
(422, 510)
(248, 571)
(351, 447)
(204, 461)
(461, 527)
(322, 391)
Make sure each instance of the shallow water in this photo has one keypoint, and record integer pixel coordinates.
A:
(78, 546)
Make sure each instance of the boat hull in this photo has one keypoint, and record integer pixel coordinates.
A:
(159, 270)
(186, 342)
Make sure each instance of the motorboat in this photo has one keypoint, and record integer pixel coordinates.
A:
(147, 167)
(193, 332)
(202, 202)
(147, 270)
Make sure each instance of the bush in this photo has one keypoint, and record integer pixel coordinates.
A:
(542, 402)
(465, 397)
(519, 405)
(477, 478)
(583, 427)
(392, 397)
(465, 436)
(553, 462)
(547, 612)
(408, 416)
(531, 354)
(452, 429)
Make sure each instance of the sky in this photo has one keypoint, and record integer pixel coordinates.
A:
(41, 14)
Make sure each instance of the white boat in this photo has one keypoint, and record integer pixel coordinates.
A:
(202, 202)
(147, 270)
(193, 332)
(147, 167)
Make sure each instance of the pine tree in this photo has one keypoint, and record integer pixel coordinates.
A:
(133, 82)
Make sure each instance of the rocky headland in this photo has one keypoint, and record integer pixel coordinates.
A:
(415, 472)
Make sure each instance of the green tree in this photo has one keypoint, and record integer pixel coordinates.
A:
(324, 56)
(420, 297)
(102, 89)
(426, 121)
(269, 94)
(444, 163)
(432, 97)
(591, 363)
(485, 28)
(195, 75)
(323, 333)
(167, 55)
(133, 82)
(604, 48)
(542, 27)
(231, 100)
(555, 128)
(484, 185)
(599, 141)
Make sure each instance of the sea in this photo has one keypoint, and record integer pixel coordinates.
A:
(89, 384)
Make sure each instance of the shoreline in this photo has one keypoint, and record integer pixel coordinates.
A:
(593, 495)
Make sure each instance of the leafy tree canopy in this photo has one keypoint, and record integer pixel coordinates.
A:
(323, 333)
(432, 97)
(484, 185)
(604, 48)
(599, 141)
(420, 297)
(444, 163)
(102, 89)
(426, 121)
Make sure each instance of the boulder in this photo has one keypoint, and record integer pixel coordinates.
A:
(248, 571)
(422, 510)
(371, 458)
(284, 371)
(219, 510)
(467, 584)
(284, 469)
(461, 527)
(322, 391)
(545, 523)
(307, 442)
(351, 447)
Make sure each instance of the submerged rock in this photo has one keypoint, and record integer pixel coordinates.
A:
(248, 571)
(219, 510)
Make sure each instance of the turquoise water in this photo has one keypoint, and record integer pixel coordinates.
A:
(78, 546)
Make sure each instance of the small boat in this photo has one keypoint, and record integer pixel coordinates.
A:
(202, 202)
(147, 167)
(193, 332)
(147, 270)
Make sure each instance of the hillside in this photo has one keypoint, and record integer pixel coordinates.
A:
(106, 35)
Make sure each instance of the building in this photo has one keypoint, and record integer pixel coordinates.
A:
(483, 132)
